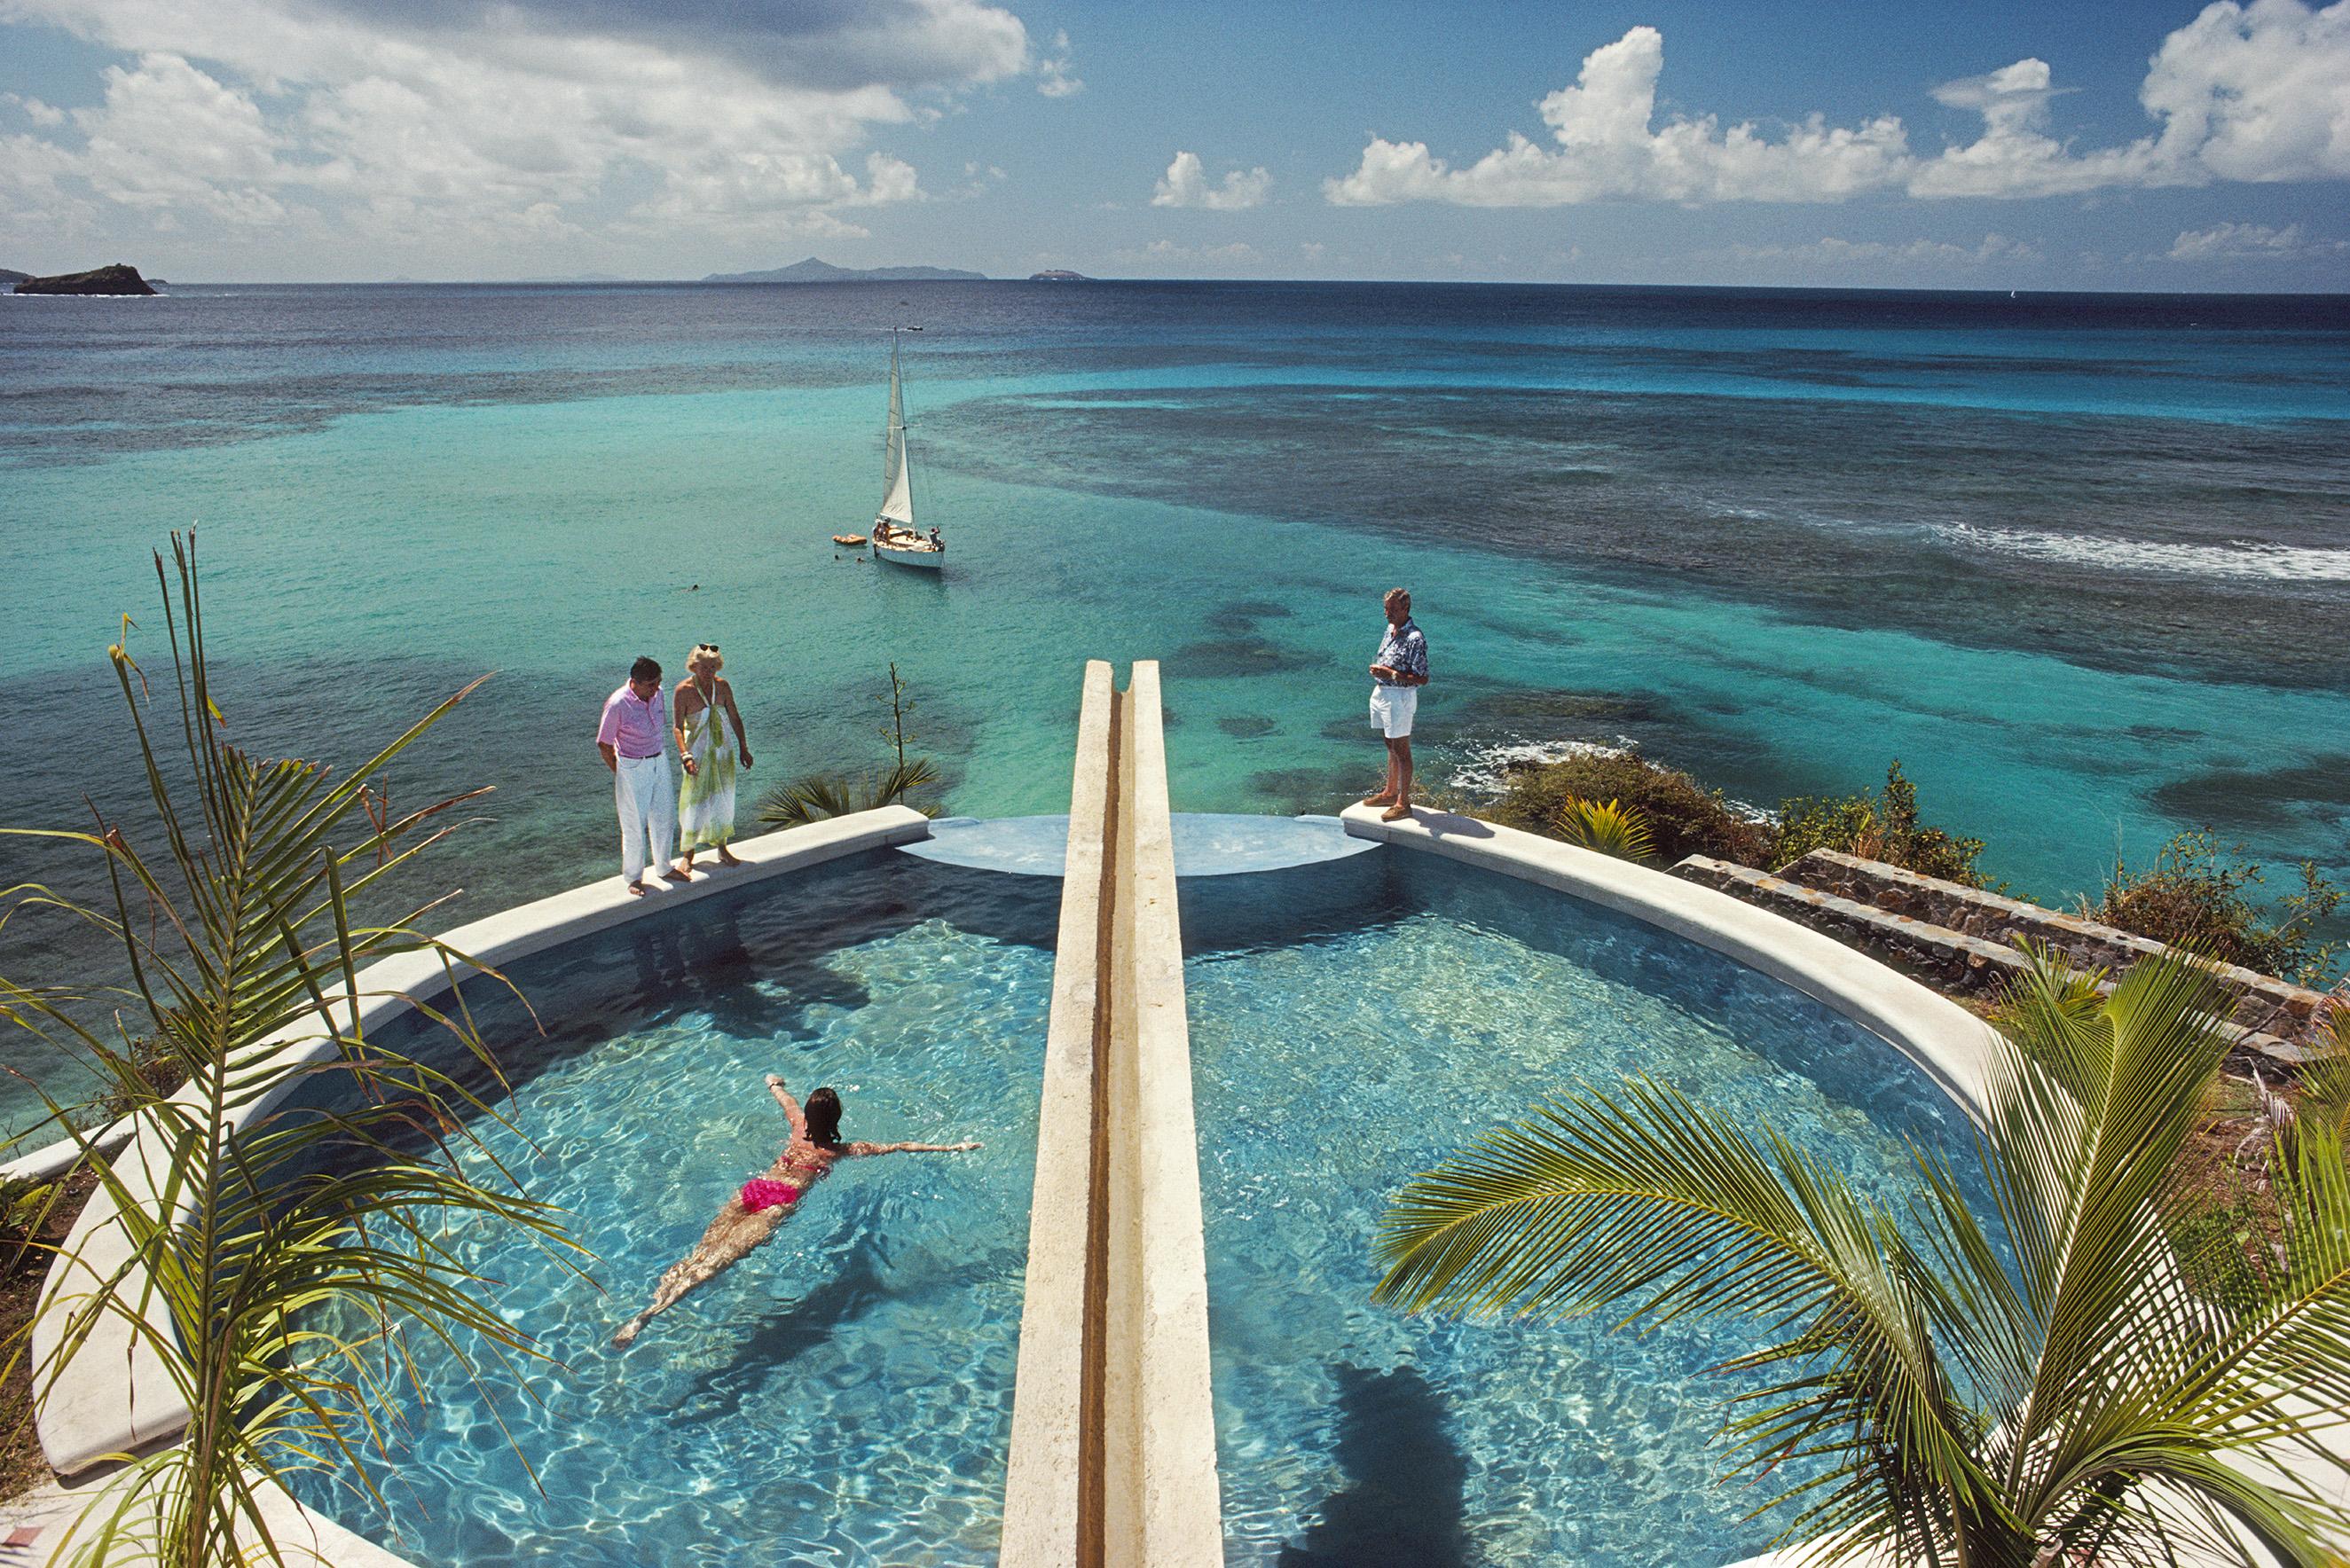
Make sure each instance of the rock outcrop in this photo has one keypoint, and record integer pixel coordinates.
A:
(119, 278)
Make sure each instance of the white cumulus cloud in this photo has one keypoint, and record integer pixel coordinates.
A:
(1055, 76)
(1937, 255)
(2257, 91)
(1185, 185)
(2251, 242)
(472, 123)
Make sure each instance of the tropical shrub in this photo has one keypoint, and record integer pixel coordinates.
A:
(1608, 826)
(1927, 1392)
(1684, 817)
(812, 797)
(1876, 826)
(2198, 895)
(286, 1254)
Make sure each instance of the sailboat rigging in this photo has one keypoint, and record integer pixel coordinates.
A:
(895, 538)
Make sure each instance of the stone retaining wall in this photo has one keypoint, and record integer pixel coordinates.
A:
(1963, 940)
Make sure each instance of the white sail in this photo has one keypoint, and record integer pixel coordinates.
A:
(897, 479)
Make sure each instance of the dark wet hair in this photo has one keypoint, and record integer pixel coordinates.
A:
(646, 668)
(823, 1112)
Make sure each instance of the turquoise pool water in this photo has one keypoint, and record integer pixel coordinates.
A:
(1425, 1003)
(844, 1396)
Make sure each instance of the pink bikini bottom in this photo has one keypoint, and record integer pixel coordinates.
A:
(759, 1193)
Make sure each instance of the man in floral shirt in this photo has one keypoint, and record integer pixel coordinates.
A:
(1398, 673)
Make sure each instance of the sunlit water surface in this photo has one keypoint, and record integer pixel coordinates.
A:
(844, 1396)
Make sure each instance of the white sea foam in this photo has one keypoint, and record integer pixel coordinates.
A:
(1486, 770)
(2237, 558)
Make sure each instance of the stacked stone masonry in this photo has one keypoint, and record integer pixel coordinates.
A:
(1963, 940)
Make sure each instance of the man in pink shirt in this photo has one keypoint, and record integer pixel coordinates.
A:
(636, 721)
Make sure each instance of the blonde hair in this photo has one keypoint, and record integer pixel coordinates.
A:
(706, 652)
(1394, 594)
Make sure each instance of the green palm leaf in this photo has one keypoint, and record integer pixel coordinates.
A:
(285, 1254)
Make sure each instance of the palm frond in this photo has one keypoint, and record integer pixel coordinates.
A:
(256, 1222)
(1608, 826)
(813, 797)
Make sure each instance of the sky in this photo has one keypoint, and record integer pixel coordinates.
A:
(1971, 143)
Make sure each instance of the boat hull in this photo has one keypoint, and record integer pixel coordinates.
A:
(923, 556)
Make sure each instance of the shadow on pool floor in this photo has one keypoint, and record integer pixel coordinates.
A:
(1405, 1505)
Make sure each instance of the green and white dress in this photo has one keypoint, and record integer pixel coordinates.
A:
(705, 797)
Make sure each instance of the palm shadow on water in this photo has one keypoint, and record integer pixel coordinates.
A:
(1405, 1502)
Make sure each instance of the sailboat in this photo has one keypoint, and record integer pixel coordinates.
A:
(894, 536)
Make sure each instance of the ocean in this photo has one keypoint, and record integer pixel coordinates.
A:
(2082, 563)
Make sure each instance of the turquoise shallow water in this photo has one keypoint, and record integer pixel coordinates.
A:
(843, 1396)
(2081, 563)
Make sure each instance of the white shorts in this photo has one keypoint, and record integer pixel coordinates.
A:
(1391, 710)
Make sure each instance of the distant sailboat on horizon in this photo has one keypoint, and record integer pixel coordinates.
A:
(894, 536)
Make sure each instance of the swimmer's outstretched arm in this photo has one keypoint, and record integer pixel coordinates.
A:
(791, 1106)
(865, 1148)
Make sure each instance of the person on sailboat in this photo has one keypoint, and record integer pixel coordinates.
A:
(751, 1216)
(705, 795)
(1398, 670)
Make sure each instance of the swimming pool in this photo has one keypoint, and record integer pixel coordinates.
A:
(844, 1396)
(1416, 1003)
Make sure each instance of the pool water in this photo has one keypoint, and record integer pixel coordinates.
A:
(1430, 1004)
(844, 1396)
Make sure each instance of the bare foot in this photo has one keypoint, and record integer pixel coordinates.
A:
(677, 874)
(726, 858)
(636, 889)
(1380, 799)
(1395, 814)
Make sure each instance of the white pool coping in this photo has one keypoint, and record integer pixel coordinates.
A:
(112, 1396)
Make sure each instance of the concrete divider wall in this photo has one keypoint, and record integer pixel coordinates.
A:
(1113, 1456)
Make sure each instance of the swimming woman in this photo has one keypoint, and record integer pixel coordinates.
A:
(751, 1216)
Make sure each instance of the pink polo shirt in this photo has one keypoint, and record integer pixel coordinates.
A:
(631, 726)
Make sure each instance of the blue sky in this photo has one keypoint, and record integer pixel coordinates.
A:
(1966, 144)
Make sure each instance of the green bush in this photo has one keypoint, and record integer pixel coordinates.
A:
(1875, 826)
(1683, 817)
(2196, 895)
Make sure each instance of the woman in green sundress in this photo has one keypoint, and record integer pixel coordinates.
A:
(702, 708)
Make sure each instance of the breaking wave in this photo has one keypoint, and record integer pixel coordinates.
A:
(2239, 558)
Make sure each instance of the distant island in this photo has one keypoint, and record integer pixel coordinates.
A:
(1058, 274)
(815, 271)
(10, 278)
(119, 278)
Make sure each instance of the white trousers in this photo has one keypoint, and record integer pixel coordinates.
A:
(647, 804)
